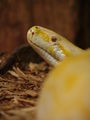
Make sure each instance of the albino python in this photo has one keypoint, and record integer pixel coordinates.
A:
(65, 95)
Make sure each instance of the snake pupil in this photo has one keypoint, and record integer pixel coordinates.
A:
(54, 38)
(36, 27)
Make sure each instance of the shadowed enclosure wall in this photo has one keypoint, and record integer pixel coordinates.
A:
(62, 16)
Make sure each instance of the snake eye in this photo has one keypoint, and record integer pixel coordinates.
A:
(54, 39)
(36, 27)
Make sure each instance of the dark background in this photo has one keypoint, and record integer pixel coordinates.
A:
(69, 18)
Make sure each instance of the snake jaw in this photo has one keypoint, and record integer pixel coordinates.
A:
(45, 55)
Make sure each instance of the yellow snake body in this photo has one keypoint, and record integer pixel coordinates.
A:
(65, 95)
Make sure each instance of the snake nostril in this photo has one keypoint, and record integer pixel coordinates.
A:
(54, 39)
(32, 32)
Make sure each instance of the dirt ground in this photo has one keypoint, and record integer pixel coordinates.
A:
(20, 86)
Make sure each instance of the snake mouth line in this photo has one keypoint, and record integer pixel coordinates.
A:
(44, 54)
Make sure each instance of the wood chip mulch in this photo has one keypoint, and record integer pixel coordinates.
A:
(20, 88)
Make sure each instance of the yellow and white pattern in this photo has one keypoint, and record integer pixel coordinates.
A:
(65, 95)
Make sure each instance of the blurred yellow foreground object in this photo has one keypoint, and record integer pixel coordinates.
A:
(66, 92)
